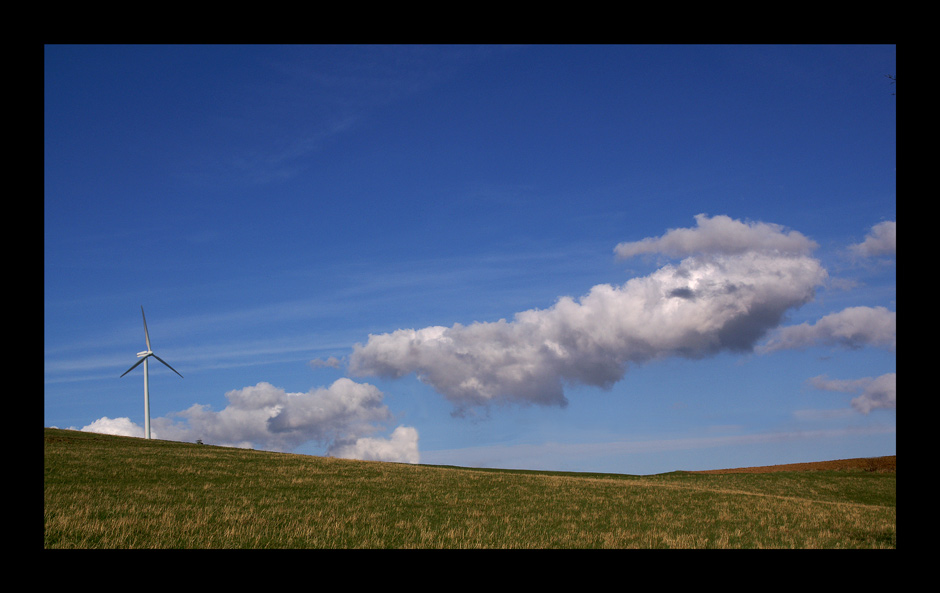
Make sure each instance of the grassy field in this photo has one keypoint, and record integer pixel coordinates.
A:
(120, 492)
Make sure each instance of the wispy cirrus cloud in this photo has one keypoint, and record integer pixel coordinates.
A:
(551, 455)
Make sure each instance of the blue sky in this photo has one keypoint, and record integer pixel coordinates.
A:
(629, 259)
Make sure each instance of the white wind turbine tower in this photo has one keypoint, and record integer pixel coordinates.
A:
(143, 356)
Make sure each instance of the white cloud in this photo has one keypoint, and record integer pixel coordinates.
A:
(267, 417)
(115, 426)
(720, 234)
(853, 327)
(724, 298)
(875, 393)
(881, 240)
(402, 446)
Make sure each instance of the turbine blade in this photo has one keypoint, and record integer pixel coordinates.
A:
(134, 367)
(146, 333)
(167, 364)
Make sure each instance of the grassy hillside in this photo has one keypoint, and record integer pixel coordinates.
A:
(119, 492)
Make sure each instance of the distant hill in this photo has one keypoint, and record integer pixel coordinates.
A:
(875, 464)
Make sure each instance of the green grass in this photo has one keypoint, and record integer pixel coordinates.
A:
(119, 492)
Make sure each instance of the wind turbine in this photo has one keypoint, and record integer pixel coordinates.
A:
(143, 356)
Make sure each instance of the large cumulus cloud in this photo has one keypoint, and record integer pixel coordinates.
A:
(736, 281)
